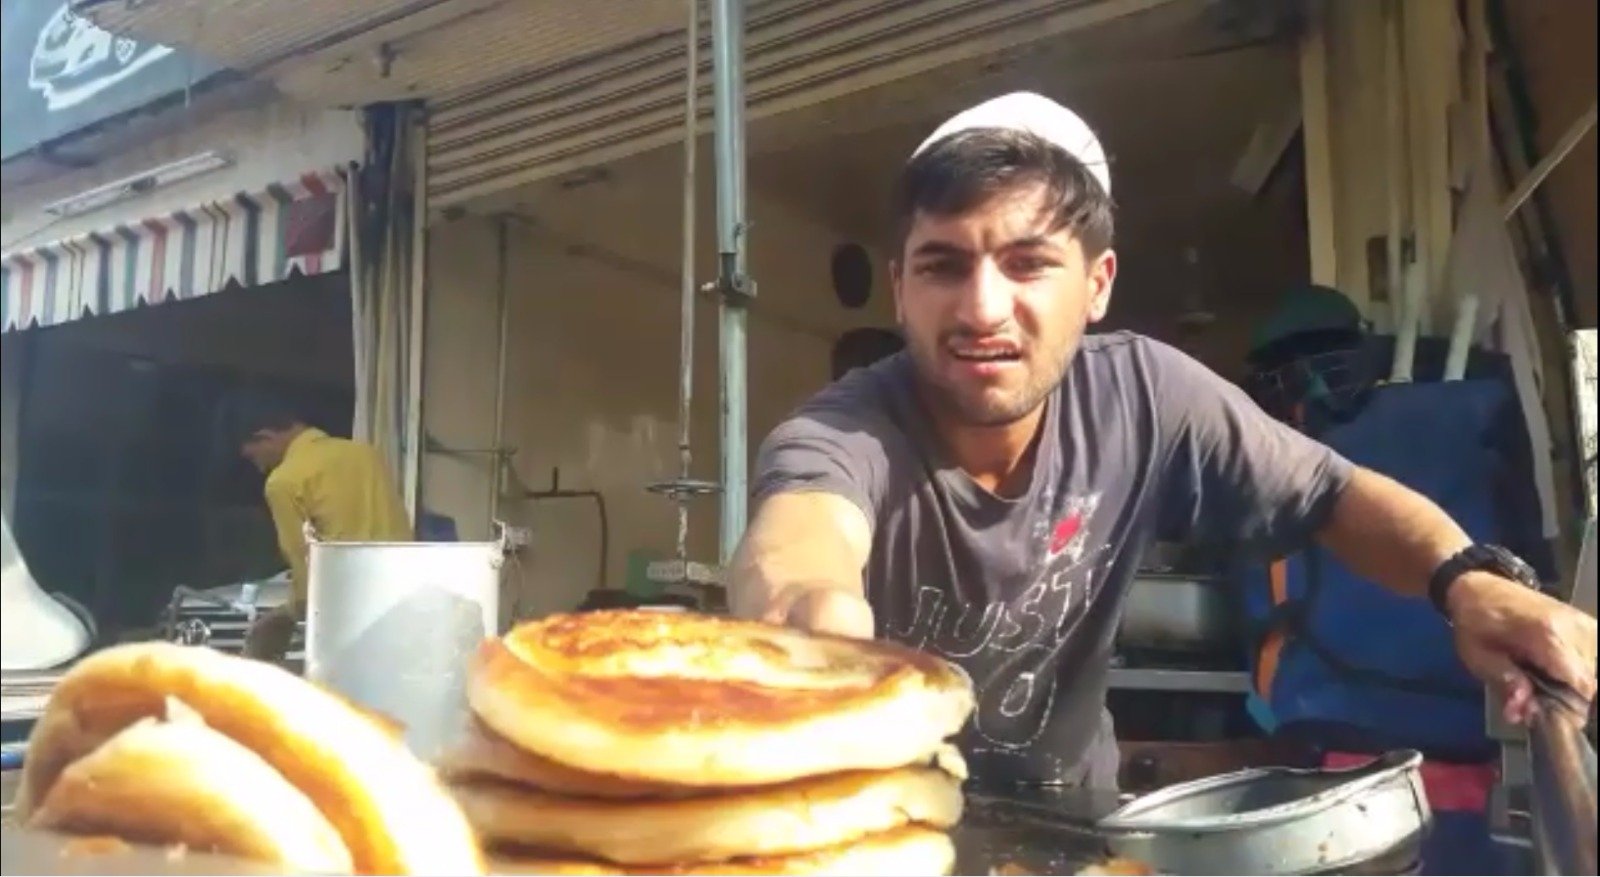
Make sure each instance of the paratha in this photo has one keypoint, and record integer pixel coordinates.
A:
(481, 754)
(697, 700)
(792, 818)
(904, 852)
(388, 807)
(181, 783)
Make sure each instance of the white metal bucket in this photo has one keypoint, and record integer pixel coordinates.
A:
(393, 627)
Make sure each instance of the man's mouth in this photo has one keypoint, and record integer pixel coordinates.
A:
(997, 352)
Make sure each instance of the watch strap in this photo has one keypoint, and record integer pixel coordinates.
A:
(1477, 558)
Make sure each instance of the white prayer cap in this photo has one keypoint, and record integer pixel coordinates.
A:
(1038, 115)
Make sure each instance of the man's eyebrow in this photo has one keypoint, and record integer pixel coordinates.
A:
(940, 248)
(1034, 242)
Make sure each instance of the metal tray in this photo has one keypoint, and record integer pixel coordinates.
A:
(1279, 820)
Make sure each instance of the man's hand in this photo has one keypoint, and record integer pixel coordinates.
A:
(1500, 624)
(822, 609)
(800, 564)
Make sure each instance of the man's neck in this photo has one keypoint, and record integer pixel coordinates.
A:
(999, 458)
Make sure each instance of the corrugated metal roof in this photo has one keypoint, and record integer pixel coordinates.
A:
(357, 51)
(799, 52)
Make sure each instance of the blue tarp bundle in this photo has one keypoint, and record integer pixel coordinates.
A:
(1362, 668)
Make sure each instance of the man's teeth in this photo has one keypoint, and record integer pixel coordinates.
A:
(985, 354)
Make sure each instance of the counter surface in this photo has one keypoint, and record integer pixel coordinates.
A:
(1043, 833)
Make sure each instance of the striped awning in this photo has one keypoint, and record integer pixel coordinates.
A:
(290, 229)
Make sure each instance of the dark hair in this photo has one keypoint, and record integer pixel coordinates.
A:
(962, 171)
(245, 412)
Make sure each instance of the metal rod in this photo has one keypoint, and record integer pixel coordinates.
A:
(417, 324)
(497, 463)
(1394, 160)
(727, 37)
(1563, 768)
(691, 121)
(1568, 142)
(556, 491)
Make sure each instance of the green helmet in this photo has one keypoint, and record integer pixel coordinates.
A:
(1309, 308)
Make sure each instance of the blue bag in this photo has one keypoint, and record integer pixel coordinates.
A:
(1363, 667)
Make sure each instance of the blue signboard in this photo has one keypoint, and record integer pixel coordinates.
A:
(60, 74)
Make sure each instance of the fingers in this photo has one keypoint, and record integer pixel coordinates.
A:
(1499, 672)
(1562, 646)
(831, 610)
(1564, 665)
(1518, 701)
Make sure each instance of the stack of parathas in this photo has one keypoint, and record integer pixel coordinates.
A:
(671, 743)
(187, 747)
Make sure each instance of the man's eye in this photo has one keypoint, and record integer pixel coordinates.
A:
(943, 269)
(1028, 266)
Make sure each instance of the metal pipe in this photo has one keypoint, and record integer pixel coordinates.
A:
(1521, 117)
(1558, 153)
(1563, 773)
(691, 121)
(727, 37)
(417, 327)
(1394, 160)
(498, 461)
(556, 492)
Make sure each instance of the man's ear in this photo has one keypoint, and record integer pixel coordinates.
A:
(1102, 277)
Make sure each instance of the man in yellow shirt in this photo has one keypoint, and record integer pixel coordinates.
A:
(340, 487)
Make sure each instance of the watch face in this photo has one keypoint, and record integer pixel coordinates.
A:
(1511, 566)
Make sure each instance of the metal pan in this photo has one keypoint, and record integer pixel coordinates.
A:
(1278, 820)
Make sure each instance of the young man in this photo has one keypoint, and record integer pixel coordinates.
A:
(987, 494)
(340, 487)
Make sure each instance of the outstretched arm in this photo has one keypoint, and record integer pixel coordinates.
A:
(800, 563)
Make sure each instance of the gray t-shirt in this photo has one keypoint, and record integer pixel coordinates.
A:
(1140, 442)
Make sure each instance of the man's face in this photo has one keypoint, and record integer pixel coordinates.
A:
(265, 449)
(993, 304)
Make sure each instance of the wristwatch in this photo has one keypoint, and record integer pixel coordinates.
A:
(1478, 558)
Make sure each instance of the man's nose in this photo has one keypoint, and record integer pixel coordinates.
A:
(987, 300)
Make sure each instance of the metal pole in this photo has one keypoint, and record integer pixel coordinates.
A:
(1563, 775)
(417, 326)
(691, 122)
(733, 283)
(497, 459)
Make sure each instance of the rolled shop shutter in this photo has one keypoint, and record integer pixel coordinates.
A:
(798, 53)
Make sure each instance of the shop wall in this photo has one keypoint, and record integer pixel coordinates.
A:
(271, 140)
(593, 363)
(1555, 45)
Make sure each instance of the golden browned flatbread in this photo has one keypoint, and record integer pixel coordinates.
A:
(180, 782)
(697, 700)
(903, 852)
(388, 807)
(778, 820)
(481, 754)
